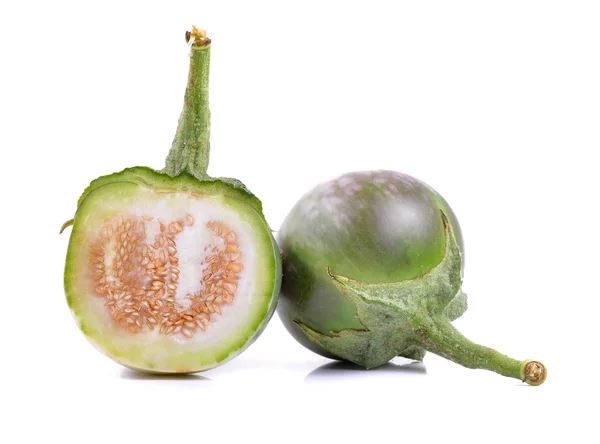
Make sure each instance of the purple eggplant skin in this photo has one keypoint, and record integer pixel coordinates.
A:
(373, 263)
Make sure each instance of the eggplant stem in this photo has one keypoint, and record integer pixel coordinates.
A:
(442, 338)
(191, 145)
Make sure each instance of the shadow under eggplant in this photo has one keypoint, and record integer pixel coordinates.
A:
(143, 376)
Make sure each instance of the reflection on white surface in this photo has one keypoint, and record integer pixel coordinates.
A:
(339, 370)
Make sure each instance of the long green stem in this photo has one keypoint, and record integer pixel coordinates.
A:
(441, 338)
(191, 146)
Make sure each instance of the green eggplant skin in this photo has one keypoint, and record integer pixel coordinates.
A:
(373, 226)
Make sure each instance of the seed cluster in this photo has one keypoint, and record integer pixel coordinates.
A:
(139, 280)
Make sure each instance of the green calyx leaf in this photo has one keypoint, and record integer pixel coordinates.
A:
(435, 289)
(390, 311)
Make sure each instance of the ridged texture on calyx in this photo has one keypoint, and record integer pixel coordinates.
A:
(391, 312)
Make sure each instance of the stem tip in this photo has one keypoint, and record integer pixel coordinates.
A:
(197, 37)
(534, 372)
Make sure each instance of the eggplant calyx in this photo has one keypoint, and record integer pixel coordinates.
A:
(409, 317)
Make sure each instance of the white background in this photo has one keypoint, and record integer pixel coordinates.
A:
(494, 104)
